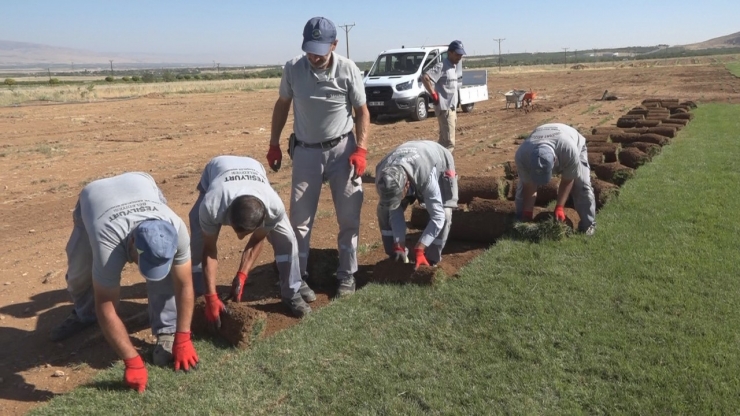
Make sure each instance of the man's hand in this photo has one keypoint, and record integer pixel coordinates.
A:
(358, 160)
(421, 259)
(275, 157)
(559, 213)
(237, 286)
(399, 253)
(214, 307)
(183, 352)
(435, 97)
(135, 374)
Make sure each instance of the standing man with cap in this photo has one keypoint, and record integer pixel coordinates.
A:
(235, 191)
(441, 82)
(324, 88)
(421, 170)
(119, 220)
(560, 149)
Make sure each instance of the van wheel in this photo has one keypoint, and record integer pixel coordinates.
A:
(420, 112)
(467, 107)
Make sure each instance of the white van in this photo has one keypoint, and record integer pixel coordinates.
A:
(393, 84)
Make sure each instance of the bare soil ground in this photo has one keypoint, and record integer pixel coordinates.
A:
(48, 153)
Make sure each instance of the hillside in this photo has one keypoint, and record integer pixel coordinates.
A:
(728, 41)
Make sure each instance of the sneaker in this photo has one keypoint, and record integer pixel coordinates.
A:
(162, 354)
(591, 230)
(345, 287)
(297, 305)
(69, 327)
(306, 292)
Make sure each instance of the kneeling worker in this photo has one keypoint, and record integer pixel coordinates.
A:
(422, 170)
(556, 148)
(119, 220)
(235, 191)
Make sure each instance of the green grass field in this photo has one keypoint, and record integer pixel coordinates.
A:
(640, 319)
(734, 68)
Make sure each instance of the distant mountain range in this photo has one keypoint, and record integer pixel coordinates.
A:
(32, 55)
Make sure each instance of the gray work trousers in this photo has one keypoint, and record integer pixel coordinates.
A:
(281, 238)
(582, 193)
(310, 167)
(388, 221)
(161, 294)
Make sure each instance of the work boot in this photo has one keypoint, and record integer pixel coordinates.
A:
(345, 287)
(69, 327)
(162, 354)
(297, 305)
(590, 230)
(306, 292)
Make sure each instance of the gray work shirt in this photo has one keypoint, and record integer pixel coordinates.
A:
(566, 143)
(426, 163)
(111, 208)
(227, 177)
(322, 99)
(445, 77)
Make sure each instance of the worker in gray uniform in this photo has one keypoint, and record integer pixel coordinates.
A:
(560, 149)
(324, 89)
(234, 191)
(417, 170)
(119, 220)
(441, 83)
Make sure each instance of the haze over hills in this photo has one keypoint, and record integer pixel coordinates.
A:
(31, 55)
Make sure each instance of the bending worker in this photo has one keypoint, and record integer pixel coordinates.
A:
(556, 148)
(235, 191)
(422, 170)
(119, 220)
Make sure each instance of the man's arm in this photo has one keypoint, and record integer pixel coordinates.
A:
(210, 261)
(363, 125)
(279, 118)
(182, 277)
(253, 249)
(106, 300)
(428, 84)
(529, 193)
(564, 190)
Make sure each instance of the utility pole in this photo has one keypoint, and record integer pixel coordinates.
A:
(111, 66)
(575, 56)
(566, 56)
(499, 52)
(218, 68)
(347, 28)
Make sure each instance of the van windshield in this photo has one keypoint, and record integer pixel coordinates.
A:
(402, 63)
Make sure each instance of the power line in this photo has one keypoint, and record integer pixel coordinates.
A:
(499, 52)
(347, 28)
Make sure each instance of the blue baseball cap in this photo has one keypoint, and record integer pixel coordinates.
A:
(457, 47)
(318, 36)
(543, 161)
(156, 243)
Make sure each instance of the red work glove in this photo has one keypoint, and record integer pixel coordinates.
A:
(183, 352)
(214, 307)
(358, 160)
(237, 286)
(135, 374)
(527, 215)
(421, 259)
(399, 253)
(275, 157)
(559, 213)
(435, 97)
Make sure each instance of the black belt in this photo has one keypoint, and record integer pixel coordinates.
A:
(329, 144)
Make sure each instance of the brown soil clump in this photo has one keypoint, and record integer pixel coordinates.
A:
(625, 137)
(510, 170)
(683, 116)
(240, 326)
(615, 173)
(595, 158)
(603, 191)
(633, 157)
(545, 193)
(596, 138)
(651, 149)
(572, 219)
(654, 139)
(663, 131)
(488, 187)
(390, 271)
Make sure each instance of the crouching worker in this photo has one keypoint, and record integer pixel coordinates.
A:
(422, 170)
(556, 148)
(235, 191)
(120, 220)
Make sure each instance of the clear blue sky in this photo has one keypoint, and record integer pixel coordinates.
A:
(269, 32)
